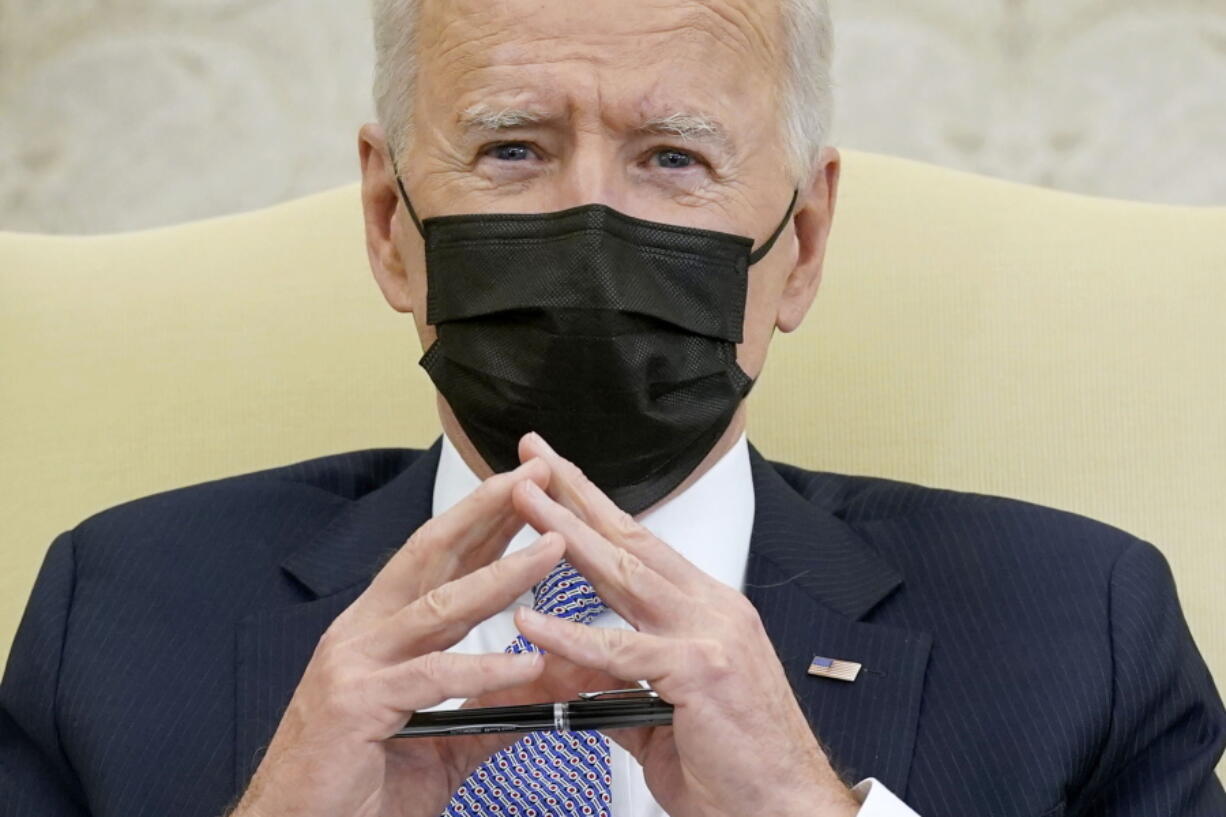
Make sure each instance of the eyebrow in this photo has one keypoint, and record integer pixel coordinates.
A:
(684, 126)
(688, 127)
(482, 117)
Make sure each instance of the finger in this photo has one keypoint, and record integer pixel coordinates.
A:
(642, 596)
(571, 488)
(428, 680)
(635, 740)
(662, 662)
(471, 534)
(560, 680)
(444, 615)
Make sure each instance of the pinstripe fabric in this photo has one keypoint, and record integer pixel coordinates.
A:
(1017, 660)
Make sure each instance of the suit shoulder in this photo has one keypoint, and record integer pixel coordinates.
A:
(910, 521)
(254, 505)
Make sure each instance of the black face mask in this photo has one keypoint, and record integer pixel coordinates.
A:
(612, 337)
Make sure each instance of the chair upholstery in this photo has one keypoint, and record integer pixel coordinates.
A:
(970, 333)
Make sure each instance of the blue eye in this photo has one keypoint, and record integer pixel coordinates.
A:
(511, 152)
(674, 159)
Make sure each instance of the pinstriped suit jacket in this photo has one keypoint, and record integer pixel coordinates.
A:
(1018, 660)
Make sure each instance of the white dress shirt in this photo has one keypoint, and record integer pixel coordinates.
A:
(710, 524)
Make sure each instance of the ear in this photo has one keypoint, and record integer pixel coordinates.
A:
(812, 219)
(385, 219)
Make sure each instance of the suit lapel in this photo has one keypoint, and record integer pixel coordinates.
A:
(274, 646)
(813, 579)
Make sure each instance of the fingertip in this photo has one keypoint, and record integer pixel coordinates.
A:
(532, 620)
(553, 543)
(533, 445)
(526, 660)
(527, 617)
(519, 493)
(545, 545)
(525, 447)
(527, 492)
(537, 470)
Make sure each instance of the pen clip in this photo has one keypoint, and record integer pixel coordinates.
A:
(621, 694)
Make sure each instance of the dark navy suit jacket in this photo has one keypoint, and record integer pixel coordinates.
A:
(1017, 660)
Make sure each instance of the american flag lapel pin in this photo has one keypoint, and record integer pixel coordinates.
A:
(824, 667)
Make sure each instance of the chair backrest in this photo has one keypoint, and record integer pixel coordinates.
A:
(970, 333)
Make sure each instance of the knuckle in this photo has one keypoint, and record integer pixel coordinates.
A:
(344, 690)
(489, 488)
(741, 608)
(432, 668)
(334, 647)
(496, 572)
(580, 479)
(629, 566)
(332, 671)
(711, 655)
(626, 528)
(421, 541)
(616, 644)
(491, 665)
(436, 604)
(331, 636)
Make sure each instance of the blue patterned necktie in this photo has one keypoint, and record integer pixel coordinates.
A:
(545, 774)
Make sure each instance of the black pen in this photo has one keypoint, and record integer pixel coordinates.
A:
(610, 709)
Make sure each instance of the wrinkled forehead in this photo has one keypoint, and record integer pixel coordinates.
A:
(633, 59)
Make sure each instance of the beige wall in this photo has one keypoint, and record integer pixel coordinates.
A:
(133, 113)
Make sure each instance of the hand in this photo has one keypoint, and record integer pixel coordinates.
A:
(739, 743)
(381, 660)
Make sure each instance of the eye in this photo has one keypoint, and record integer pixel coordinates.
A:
(673, 159)
(510, 152)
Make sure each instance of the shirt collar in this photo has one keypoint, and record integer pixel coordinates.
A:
(709, 523)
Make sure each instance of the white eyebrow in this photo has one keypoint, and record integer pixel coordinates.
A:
(688, 127)
(483, 117)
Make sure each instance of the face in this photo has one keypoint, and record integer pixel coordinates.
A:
(666, 110)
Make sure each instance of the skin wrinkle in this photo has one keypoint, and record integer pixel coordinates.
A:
(584, 46)
(483, 122)
(723, 25)
(727, 169)
(596, 76)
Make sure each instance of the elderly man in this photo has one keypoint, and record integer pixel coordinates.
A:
(598, 214)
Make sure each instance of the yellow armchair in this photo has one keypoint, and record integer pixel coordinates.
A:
(970, 333)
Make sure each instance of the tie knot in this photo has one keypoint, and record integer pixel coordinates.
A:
(566, 594)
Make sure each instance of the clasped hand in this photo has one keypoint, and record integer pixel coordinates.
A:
(739, 743)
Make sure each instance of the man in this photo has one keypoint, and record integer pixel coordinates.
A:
(597, 215)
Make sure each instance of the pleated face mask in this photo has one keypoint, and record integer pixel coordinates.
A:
(612, 337)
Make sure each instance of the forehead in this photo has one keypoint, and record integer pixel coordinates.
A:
(623, 58)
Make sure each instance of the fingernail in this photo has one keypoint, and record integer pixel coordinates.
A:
(533, 489)
(527, 659)
(531, 614)
(539, 545)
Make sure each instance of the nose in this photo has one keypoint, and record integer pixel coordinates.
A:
(594, 173)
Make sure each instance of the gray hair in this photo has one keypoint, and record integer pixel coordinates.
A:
(807, 106)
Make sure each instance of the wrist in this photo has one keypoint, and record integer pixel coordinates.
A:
(831, 799)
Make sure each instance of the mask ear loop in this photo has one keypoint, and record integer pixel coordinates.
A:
(404, 195)
(760, 253)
